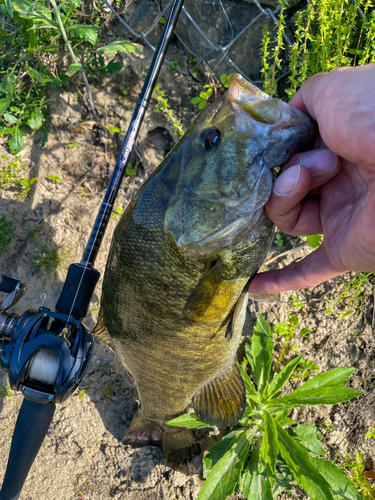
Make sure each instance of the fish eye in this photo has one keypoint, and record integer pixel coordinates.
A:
(209, 137)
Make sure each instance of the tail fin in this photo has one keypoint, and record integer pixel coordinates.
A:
(180, 447)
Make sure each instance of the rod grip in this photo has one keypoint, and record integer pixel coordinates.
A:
(31, 428)
(7, 285)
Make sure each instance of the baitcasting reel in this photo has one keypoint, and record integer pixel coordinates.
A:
(45, 353)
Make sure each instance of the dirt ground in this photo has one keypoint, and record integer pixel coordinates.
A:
(82, 456)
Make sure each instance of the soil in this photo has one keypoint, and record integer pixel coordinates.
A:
(82, 456)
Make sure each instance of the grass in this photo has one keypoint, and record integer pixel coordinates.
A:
(6, 231)
(49, 255)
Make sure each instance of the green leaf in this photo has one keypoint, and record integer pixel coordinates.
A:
(325, 388)
(8, 5)
(88, 33)
(115, 66)
(270, 446)
(202, 104)
(7, 83)
(120, 46)
(195, 100)
(114, 129)
(36, 121)
(248, 382)
(37, 76)
(219, 449)
(262, 352)
(222, 481)
(190, 421)
(10, 118)
(4, 104)
(281, 379)
(74, 4)
(283, 478)
(342, 486)
(223, 78)
(255, 484)
(73, 68)
(304, 471)
(315, 240)
(16, 143)
(130, 170)
(309, 436)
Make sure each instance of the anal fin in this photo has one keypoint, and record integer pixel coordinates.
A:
(222, 401)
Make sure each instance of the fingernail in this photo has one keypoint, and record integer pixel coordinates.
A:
(287, 181)
(320, 163)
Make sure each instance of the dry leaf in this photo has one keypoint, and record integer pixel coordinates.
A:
(83, 126)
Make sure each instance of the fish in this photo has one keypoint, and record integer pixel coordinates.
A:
(174, 293)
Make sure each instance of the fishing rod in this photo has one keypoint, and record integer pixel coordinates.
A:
(46, 353)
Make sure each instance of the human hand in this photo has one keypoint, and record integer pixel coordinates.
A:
(330, 190)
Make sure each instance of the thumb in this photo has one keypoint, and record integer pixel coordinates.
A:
(309, 272)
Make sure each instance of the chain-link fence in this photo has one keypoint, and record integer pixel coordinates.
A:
(204, 25)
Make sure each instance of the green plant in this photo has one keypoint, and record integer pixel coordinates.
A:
(297, 303)
(49, 255)
(327, 35)
(54, 178)
(370, 434)
(108, 390)
(10, 172)
(174, 65)
(314, 241)
(354, 466)
(163, 107)
(30, 37)
(278, 240)
(118, 211)
(6, 230)
(352, 294)
(289, 332)
(82, 392)
(25, 185)
(5, 392)
(203, 98)
(262, 458)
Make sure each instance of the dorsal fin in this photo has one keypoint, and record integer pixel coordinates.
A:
(100, 331)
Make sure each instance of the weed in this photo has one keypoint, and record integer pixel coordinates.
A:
(204, 96)
(174, 65)
(163, 107)
(192, 60)
(278, 240)
(314, 241)
(25, 185)
(289, 332)
(130, 170)
(297, 303)
(370, 434)
(352, 295)
(261, 458)
(54, 178)
(82, 392)
(10, 172)
(72, 145)
(118, 211)
(108, 390)
(50, 255)
(5, 392)
(6, 230)
(354, 466)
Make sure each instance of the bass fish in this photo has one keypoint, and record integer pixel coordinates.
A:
(175, 287)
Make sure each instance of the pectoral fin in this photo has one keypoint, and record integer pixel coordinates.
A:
(100, 331)
(222, 401)
(235, 326)
(265, 297)
(212, 295)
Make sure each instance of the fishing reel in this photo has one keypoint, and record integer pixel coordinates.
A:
(45, 353)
